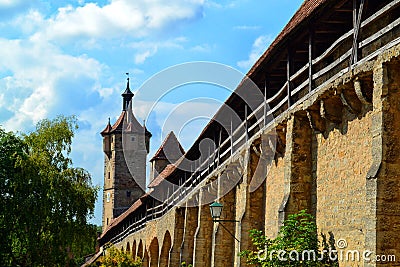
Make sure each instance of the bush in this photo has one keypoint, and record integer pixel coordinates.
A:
(297, 235)
(117, 257)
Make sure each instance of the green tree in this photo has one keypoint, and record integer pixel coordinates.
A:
(297, 235)
(45, 200)
(11, 148)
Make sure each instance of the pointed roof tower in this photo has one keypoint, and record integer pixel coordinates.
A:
(107, 130)
(127, 121)
(127, 95)
(170, 149)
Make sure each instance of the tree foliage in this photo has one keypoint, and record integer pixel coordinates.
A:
(295, 244)
(117, 257)
(45, 201)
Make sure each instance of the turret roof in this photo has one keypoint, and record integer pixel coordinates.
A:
(106, 130)
(169, 148)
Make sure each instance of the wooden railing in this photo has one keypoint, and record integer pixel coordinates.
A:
(274, 107)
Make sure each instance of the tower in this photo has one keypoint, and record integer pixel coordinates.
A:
(168, 153)
(125, 146)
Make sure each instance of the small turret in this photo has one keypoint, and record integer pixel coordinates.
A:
(147, 136)
(107, 139)
(168, 153)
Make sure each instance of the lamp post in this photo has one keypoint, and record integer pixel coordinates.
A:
(216, 210)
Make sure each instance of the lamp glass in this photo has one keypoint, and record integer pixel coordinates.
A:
(216, 210)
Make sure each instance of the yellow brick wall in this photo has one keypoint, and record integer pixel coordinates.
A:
(342, 162)
(274, 196)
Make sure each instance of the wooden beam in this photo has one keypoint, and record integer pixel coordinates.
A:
(357, 16)
(310, 58)
(354, 51)
(334, 22)
(344, 10)
(325, 31)
(289, 67)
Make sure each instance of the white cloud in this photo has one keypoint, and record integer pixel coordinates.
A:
(141, 57)
(42, 77)
(247, 28)
(8, 3)
(259, 46)
(223, 4)
(119, 18)
(146, 49)
(204, 48)
(29, 22)
(11, 8)
(106, 92)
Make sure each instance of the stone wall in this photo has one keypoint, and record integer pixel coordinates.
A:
(337, 155)
(342, 162)
(273, 197)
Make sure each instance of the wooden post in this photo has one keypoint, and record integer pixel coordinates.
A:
(289, 66)
(167, 199)
(208, 160)
(245, 122)
(219, 146)
(310, 58)
(231, 137)
(265, 103)
(354, 51)
(357, 16)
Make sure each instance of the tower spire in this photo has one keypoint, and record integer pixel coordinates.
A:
(127, 95)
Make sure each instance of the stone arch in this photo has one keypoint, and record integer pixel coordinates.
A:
(128, 248)
(140, 250)
(166, 246)
(153, 253)
(134, 249)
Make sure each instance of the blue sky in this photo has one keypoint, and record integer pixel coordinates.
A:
(70, 57)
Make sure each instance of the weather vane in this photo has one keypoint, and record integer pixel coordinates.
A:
(127, 74)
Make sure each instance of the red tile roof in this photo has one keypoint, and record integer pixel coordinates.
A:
(120, 218)
(118, 124)
(107, 130)
(171, 142)
(305, 11)
(164, 174)
(131, 124)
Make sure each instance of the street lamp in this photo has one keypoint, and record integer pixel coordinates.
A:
(216, 210)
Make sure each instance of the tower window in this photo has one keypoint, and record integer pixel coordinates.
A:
(128, 193)
(108, 196)
(107, 221)
(109, 175)
(132, 138)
